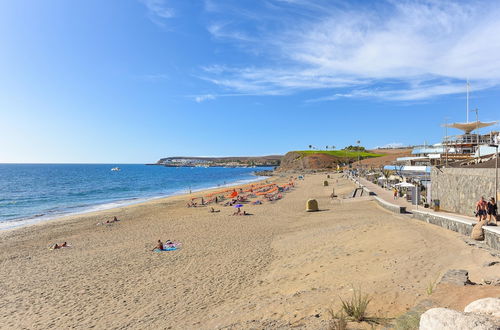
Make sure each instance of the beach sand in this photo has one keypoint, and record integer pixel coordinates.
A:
(280, 267)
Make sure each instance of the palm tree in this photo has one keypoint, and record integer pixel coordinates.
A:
(310, 146)
(326, 147)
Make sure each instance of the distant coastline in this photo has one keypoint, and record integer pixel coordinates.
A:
(231, 162)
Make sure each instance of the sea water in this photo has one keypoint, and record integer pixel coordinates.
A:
(34, 192)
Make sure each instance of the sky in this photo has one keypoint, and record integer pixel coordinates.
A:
(131, 81)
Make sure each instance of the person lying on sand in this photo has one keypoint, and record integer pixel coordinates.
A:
(108, 222)
(59, 246)
(212, 210)
(114, 220)
(237, 212)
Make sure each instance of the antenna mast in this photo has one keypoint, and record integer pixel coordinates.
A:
(467, 110)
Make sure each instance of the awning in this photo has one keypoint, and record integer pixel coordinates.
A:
(469, 127)
(404, 185)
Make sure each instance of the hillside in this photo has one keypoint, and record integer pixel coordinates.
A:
(321, 159)
(390, 155)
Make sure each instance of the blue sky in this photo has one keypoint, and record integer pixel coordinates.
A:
(135, 80)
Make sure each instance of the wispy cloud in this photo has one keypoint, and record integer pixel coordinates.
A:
(394, 50)
(158, 10)
(201, 98)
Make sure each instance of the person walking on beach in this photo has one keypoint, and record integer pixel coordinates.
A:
(492, 210)
(395, 192)
(481, 207)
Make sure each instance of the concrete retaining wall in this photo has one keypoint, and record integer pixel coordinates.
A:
(492, 237)
(463, 227)
(391, 207)
(386, 205)
(460, 225)
(458, 189)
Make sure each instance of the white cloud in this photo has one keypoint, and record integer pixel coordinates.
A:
(396, 50)
(158, 10)
(391, 145)
(201, 98)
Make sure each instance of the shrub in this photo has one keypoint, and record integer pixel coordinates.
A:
(355, 308)
(338, 322)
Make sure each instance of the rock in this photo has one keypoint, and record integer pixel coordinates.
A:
(485, 306)
(492, 281)
(448, 319)
(456, 276)
(477, 231)
(490, 263)
(312, 205)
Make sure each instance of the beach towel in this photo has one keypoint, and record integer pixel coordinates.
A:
(166, 249)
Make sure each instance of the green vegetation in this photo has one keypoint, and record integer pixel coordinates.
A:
(340, 153)
(338, 321)
(355, 308)
(410, 321)
(355, 148)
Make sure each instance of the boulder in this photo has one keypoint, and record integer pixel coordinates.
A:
(486, 306)
(492, 281)
(312, 205)
(448, 319)
(456, 276)
(478, 232)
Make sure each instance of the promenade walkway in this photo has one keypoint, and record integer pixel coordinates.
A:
(456, 222)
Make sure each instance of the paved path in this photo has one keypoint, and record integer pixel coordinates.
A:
(388, 196)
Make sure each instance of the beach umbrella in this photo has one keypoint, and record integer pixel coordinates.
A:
(238, 205)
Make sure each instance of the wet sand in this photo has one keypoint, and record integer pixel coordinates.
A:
(280, 267)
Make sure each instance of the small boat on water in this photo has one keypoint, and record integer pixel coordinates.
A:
(116, 169)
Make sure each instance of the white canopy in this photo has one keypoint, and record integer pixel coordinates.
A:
(469, 127)
(404, 184)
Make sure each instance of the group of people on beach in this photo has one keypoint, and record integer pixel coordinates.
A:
(487, 211)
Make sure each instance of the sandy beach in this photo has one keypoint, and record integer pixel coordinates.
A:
(281, 267)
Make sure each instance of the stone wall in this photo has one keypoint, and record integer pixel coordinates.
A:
(458, 189)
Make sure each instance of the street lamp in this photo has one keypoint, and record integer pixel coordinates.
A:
(496, 172)
(358, 142)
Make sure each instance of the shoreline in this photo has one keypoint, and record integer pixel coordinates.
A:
(6, 226)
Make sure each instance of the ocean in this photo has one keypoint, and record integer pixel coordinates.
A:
(35, 192)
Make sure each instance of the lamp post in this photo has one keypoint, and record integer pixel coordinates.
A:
(358, 142)
(496, 172)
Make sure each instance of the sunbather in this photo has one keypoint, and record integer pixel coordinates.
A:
(159, 245)
(60, 246)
